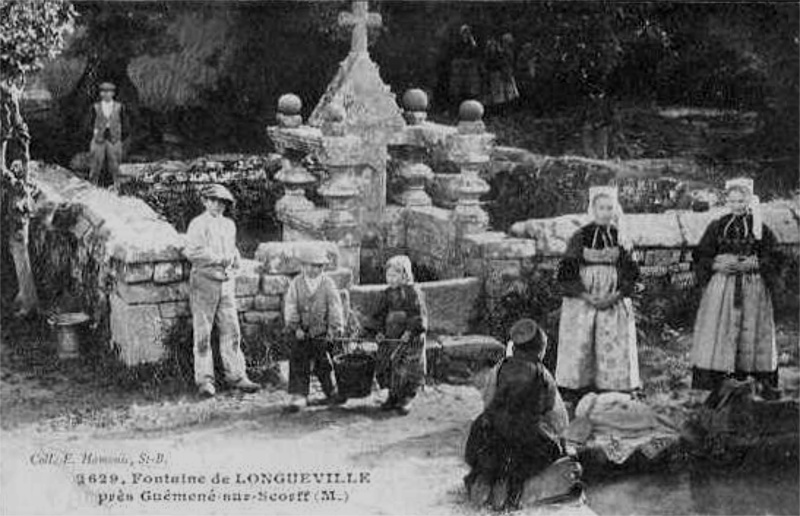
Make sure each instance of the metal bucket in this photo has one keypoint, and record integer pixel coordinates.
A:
(354, 374)
(67, 327)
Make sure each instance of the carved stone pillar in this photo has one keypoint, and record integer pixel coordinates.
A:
(341, 156)
(295, 179)
(470, 149)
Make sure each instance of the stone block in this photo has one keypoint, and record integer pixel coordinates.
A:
(245, 303)
(283, 257)
(783, 222)
(694, 224)
(452, 304)
(137, 272)
(460, 358)
(473, 246)
(148, 246)
(265, 318)
(263, 303)
(342, 277)
(551, 235)
(137, 331)
(175, 309)
(150, 293)
(510, 249)
(168, 272)
(653, 229)
(274, 284)
(430, 231)
(473, 348)
(248, 278)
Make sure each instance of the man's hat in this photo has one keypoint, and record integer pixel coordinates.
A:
(527, 335)
(313, 255)
(107, 86)
(217, 192)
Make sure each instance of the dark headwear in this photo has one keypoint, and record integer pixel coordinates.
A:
(528, 336)
(107, 86)
(217, 192)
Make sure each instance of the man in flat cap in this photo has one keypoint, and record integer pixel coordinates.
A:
(109, 128)
(211, 247)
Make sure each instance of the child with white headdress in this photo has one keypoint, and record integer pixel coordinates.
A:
(597, 333)
(400, 322)
(734, 333)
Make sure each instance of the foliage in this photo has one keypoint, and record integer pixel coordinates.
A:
(30, 33)
(534, 294)
(17, 198)
(556, 187)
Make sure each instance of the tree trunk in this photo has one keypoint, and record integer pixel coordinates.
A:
(27, 299)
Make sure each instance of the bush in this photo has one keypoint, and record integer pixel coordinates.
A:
(178, 200)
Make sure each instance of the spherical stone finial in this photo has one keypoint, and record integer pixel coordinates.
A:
(470, 111)
(415, 99)
(289, 104)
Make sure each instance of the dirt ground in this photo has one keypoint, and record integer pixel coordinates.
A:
(49, 408)
(414, 463)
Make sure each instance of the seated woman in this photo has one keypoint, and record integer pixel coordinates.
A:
(401, 317)
(735, 262)
(518, 435)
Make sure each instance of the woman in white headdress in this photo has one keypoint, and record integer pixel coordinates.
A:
(734, 333)
(401, 318)
(597, 332)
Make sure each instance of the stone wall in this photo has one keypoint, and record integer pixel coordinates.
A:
(664, 243)
(527, 185)
(125, 265)
(453, 305)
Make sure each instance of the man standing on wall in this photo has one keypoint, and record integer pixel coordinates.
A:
(211, 247)
(109, 127)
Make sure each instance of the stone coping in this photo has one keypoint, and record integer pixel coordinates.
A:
(671, 229)
(134, 233)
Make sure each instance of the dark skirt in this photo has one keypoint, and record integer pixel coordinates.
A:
(401, 367)
(506, 448)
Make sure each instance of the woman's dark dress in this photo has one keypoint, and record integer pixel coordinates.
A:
(734, 332)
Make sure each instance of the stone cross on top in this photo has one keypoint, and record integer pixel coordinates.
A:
(360, 19)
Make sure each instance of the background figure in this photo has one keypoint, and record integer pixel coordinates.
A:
(109, 129)
(500, 62)
(597, 333)
(525, 67)
(734, 333)
(598, 123)
(465, 68)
